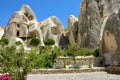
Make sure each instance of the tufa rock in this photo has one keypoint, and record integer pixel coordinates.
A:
(110, 42)
(24, 25)
(72, 29)
(52, 28)
(89, 25)
(2, 31)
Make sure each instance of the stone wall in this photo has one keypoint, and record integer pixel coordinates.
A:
(81, 61)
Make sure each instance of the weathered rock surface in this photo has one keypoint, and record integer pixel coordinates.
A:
(99, 24)
(1, 32)
(72, 29)
(110, 38)
(89, 24)
(23, 24)
(115, 4)
(52, 28)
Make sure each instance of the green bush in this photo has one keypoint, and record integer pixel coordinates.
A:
(72, 50)
(84, 52)
(46, 57)
(49, 42)
(58, 51)
(96, 53)
(4, 41)
(18, 43)
(34, 41)
(15, 62)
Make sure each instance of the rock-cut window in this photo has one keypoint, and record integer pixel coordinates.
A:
(18, 33)
(18, 26)
(30, 17)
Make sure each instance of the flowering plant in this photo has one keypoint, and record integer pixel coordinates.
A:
(5, 77)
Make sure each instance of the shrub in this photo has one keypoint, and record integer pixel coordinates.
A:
(46, 57)
(18, 43)
(43, 59)
(15, 62)
(96, 53)
(34, 41)
(84, 52)
(4, 41)
(49, 42)
(72, 50)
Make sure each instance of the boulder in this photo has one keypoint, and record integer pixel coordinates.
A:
(52, 28)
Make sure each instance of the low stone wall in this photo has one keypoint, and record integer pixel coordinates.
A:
(79, 60)
(56, 71)
(88, 60)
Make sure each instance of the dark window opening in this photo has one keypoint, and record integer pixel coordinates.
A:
(18, 26)
(18, 33)
(27, 27)
(30, 17)
(97, 1)
(26, 14)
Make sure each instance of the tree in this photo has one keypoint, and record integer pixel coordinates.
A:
(4, 41)
(34, 41)
(49, 42)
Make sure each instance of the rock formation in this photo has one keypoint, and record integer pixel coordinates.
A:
(72, 29)
(1, 31)
(52, 28)
(98, 26)
(110, 38)
(89, 25)
(23, 25)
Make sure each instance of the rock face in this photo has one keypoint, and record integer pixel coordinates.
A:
(24, 25)
(90, 20)
(99, 27)
(110, 38)
(72, 29)
(52, 28)
(89, 24)
(1, 32)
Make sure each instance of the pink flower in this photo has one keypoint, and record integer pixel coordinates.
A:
(5, 77)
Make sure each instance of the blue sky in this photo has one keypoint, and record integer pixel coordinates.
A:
(42, 8)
